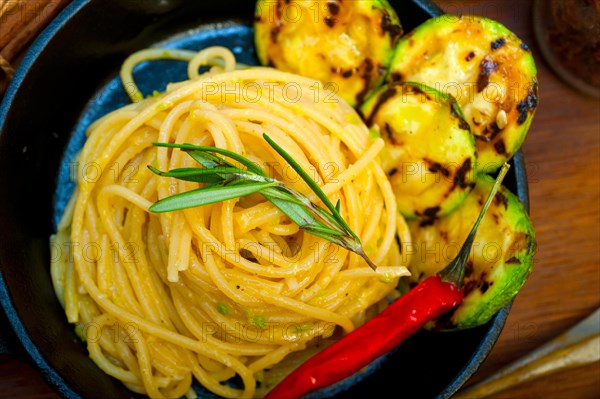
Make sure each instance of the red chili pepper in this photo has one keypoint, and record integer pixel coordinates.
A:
(427, 301)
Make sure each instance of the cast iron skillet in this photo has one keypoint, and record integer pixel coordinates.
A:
(78, 53)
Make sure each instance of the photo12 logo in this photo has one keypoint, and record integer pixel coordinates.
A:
(260, 330)
(274, 11)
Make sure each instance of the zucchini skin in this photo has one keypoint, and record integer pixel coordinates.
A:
(429, 155)
(347, 45)
(500, 262)
(486, 67)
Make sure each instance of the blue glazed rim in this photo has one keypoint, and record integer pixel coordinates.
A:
(51, 375)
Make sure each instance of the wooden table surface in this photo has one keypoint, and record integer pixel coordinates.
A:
(562, 154)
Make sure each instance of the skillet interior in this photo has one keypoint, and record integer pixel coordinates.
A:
(71, 60)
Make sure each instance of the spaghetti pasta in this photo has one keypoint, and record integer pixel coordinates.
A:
(233, 288)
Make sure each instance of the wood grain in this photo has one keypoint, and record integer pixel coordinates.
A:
(20, 22)
(19, 380)
(562, 154)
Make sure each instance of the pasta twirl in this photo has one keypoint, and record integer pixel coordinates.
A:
(233, 288)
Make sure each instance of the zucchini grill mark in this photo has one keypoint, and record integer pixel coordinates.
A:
(326, 41)
(490, 70)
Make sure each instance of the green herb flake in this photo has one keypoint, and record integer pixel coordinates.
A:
(223, 309)
(259, 321)
(154, 94)
(386, 278)
(163, 106)
(137, 97)
(259, 376)
(80, 332)
(374, 134)
(352, 118)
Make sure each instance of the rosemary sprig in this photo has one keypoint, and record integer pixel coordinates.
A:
(224, 180)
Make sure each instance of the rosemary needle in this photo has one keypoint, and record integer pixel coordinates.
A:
(224, 180)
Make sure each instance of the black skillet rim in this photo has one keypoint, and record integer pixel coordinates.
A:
(56, 380)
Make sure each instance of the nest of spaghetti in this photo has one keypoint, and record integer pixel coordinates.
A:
(231, 294)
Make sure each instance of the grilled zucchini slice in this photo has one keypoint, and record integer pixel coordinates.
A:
(430, 150)
(347, 45)
(500, 261)
(489, 71)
